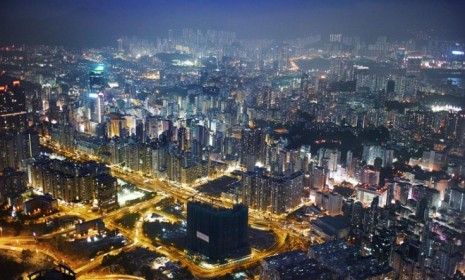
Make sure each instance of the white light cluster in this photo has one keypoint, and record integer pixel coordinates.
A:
(440, 108)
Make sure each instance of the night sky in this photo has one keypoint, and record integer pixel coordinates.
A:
(98, 22)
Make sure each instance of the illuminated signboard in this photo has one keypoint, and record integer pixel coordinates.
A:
(203, 237)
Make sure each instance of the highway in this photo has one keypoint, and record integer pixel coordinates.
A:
(20, 243)
(109, 277)
(182, 194)
(293, 66)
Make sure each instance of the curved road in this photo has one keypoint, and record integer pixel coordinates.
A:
(182, 194)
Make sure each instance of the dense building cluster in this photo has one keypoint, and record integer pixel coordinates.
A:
(359, 144)
(276, 194)
(73, 182)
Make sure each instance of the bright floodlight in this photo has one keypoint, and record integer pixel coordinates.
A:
(99, 68)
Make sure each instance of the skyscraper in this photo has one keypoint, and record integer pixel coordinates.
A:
(96, 79)
(12, 106)
(95, 98)
(390, 86)
(12, 185)
(106, 191)
(251, 144)
(183, 139)
(17, 143)
(217, 233)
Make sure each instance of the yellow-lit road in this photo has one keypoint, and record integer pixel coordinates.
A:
(97, 261)
(182, 194)
(109, 277)
(293, 66)
(21, 243)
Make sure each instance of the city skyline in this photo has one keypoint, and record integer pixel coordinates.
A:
(92, 23)
(232, 140)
